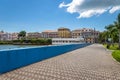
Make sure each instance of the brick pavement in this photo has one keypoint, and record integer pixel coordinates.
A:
(90, 63)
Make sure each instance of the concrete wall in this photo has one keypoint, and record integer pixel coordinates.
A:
(16, 58)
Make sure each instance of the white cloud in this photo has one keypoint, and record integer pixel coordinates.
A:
(62, 5)
(114, 9)
(89, 13)
(89, 8)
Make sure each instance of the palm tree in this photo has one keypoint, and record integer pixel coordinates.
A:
(103, 37)
(112, 31)
(117, 25)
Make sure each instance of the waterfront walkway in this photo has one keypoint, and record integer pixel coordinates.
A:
(89, 63)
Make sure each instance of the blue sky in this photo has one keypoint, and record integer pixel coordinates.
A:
(40, 15)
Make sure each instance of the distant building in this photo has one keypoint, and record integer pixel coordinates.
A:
(76, 33)
(34, 35)
(49, 34)
(64, 33)
(58, 41)
(89, 35)
(14, 36)
(5, 36)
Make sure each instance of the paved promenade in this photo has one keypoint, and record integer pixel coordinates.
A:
(90, 63)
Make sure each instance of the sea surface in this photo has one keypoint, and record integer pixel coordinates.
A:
(4, 47)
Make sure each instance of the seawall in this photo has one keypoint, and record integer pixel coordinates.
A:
(16, 58)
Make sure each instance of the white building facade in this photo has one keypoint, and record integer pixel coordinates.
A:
(58, 41)
(5, 36)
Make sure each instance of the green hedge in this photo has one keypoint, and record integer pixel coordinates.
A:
(5, 42)
(32, 41)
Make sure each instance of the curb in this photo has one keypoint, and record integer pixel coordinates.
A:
(112, 56)
(115, 59)
(110, 52)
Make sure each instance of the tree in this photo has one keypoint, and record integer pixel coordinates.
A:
(111, 32)
(117, 25)
(2, 31)
(22, 34)
(103, 37)
(49, 41)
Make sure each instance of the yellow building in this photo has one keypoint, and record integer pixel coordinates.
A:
(64, 33)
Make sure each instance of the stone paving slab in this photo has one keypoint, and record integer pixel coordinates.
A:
(90, 63)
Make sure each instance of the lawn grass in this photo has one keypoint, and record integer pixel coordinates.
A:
(112, 47)
(116, 52)
(116, 55)
(105, 45)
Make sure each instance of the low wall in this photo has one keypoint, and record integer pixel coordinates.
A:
(16, 58)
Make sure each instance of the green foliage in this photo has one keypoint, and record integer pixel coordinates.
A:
(103, 37)
(112, 31)
(22, 34)
(118, 19)
(112, 46)
(5, 42)
(116, 55)
(105, 45)
(34, 41)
